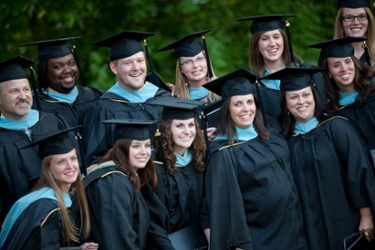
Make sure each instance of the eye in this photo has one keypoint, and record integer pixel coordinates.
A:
(127, 63)
(135, 146)
(140, 60)
(250, 101)
(148, 145)
(57, 67)
(264, 38)
(237, 104)
(200, 59)
(191, 125)
(179, 125)
(61, 162)
(306, 95)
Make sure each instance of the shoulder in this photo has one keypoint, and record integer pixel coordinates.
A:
(87, 91)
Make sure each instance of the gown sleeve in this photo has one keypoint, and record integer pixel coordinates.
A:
(225, 204)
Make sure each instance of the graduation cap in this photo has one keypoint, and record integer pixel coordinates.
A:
(338, 48)
(271, 22)
(293, 79)
(353, 4)
(131, 129)
(57, 143)
(12, 69)
(189, 46)
(238, 82)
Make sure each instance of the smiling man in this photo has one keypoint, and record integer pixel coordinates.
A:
(20, 125)
(128, 99)
(58, 73)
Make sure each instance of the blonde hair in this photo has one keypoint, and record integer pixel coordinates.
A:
(46, 179)
(182, 83)
(340, 33)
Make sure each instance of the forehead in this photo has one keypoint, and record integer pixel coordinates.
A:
(18, 83)
(271, 33)
(192, 57)
(304, 90)
(349, 11)
(337, 59)
(61, 59)
(241, 97)
(133, 57)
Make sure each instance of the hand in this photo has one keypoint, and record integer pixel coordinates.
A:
(366, 225)
(90, 245)
(211, 134)
(174, 90)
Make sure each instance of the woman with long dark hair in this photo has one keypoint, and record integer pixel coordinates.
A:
(250, 193)
(334, 177)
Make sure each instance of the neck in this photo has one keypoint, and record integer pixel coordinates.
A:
(358, 49)
(274, 65)
(197, 84)
(130, 89)
(347, 89)
(14, 117)
(179, 150)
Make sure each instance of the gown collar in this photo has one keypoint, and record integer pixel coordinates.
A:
(243, 134)
(347, 98)
(303, 128)
(198, 93)
(149, 90)
(68, 98)
(183, 161)
(31, 119)
(271, 84)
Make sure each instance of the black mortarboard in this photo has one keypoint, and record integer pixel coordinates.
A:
(293, 79)
(12, 69)
(190, 46)
(339, 48)
(131, 129)
(353, 4)
(238, 82)
(266, 23)
(177, 108)
(124, 44)
(57, 143)
(55, 48)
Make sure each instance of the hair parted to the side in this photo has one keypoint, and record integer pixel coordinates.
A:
(370, 34)
(182, 83)
(362, 83)
(321, 113)
(226, 126)
(120, 155)
(197, 148)
(256, 61)
(46, 179)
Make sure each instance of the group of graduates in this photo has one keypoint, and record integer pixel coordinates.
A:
(279, 158)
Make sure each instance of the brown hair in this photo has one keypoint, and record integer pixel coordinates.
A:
(226, 126)
(197, 148)
(370, 34)
(256, 61)
(71, 233)
(120, 155)
(362, 83)
(182, 83)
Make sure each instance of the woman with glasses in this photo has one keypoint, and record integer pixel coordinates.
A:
(354, 19)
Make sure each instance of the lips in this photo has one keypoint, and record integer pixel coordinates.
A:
(70, 173)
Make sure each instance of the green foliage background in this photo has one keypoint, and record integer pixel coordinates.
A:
(23, 21)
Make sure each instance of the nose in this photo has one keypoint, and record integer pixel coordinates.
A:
(246, 107)
(135, 66)
(300, 99)
(143, 150)
(22, 95)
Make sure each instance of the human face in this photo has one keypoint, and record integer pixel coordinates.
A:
(130, 71)
(355, 28)
(301, 104)
(183, 134)
(242, 110)
(62, 73)
(342, 70)
(271, 46)
(139, 153)
(15, 99)
(195, 69)
(65, 169)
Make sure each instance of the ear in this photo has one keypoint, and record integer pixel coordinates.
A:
(113, 67)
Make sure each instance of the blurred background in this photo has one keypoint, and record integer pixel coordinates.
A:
(23, 21)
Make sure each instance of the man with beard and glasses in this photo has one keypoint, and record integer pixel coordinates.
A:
(129, 98)
(20, 125)
(58, 73)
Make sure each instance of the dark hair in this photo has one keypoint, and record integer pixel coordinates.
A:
(256, 61)
(197, 148)
(321, 113)
(120, 155)
(225, 125)
(362, 83)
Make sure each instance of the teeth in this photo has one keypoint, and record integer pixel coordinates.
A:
(272, 50)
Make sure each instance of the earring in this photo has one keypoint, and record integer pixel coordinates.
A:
(330, 76)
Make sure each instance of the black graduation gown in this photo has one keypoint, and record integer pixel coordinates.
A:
(363, 119)
(119, 216)
(251, 196)
(334, 179)
(98, 137)
(18, 165)
(270, 98)
(38, 227)
(73, 113)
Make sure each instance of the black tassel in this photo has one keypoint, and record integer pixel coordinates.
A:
(210, 73)
(366, 53)
(81, 79)
(36, 98)
(287, 24)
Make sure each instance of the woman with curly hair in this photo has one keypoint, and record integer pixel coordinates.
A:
(348, 84)
(179, 162)
(43, 219)
(354, 19)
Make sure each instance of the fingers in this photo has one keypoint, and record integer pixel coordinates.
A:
(369, 235)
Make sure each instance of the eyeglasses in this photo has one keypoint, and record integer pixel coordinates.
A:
(190, 62)
(350, 18)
